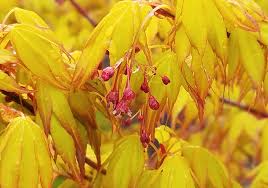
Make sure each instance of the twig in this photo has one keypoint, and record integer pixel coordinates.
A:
(94, 165)
(247, 108)
(16, 98)
(162, 11)
(83, 12)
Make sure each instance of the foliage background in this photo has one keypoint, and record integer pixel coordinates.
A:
(235, 113)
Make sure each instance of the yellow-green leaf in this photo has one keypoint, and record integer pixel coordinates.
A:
(252, 56)
(39, 54)
(25, 159)
(195, 26)
(114, 33)
(260, 181)
(7, 56)
(206, 167)
(64, 145)
(29, 17)
(126, 162)
(182, 44)
(9, 84)
(44, 103)
(175, 177)
(63, 112)
(216, 30)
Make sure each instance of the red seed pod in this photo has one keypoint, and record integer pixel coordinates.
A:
(129, 94)
(165, 80)
(153, 103)
(144, 138)
(127, 122)
(140, 117)
(144, 86)
(112, 97)
(122, 108)
(107, 73)
(162, 149)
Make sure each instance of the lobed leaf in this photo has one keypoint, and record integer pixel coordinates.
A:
(108, 36)
(9, 84)
(25, 159)
(125, 163)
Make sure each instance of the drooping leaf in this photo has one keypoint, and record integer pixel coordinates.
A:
(44, 103)
(261, 177)
(168, 66)
(108, 36)
(212, 172)
(236, 14)
(252, 56)
(68, 122)
(9, 84)
(64, 145)
(264, 143)
(195, 26)
(147, 178)
(7, 56)
(183, 45)
(233, 57)
(39, 54)
(25, 159)
(180, 176)
(216, 30)
(122, 164)
(29, 17)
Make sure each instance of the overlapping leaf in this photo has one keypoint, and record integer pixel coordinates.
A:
(9, 84)
(122, 164)
(207, 168)
(108, 36)
(64, 145)
(25, 159)
(174, 172)
(39, 54)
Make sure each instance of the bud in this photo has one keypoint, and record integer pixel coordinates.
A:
(154, 105)
(107, 73)
(127, 122)
(163, 149)
(122, 108)
(140, 117)
(144, 86)
(165, 80)
(128, 94)
(112, 97)
(144, 138)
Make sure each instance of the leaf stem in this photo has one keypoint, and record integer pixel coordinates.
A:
(94, 165)
(83, 12)
(247, 108)
(16, 98)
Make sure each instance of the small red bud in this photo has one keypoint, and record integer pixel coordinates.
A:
(107, 73)
(162, 149)
(128, 94)
(144, 86)
(122, 107)
(165, 80)
(112, 97)
(154, 105)
(140, 117)
(127, 122)
(144, 138)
